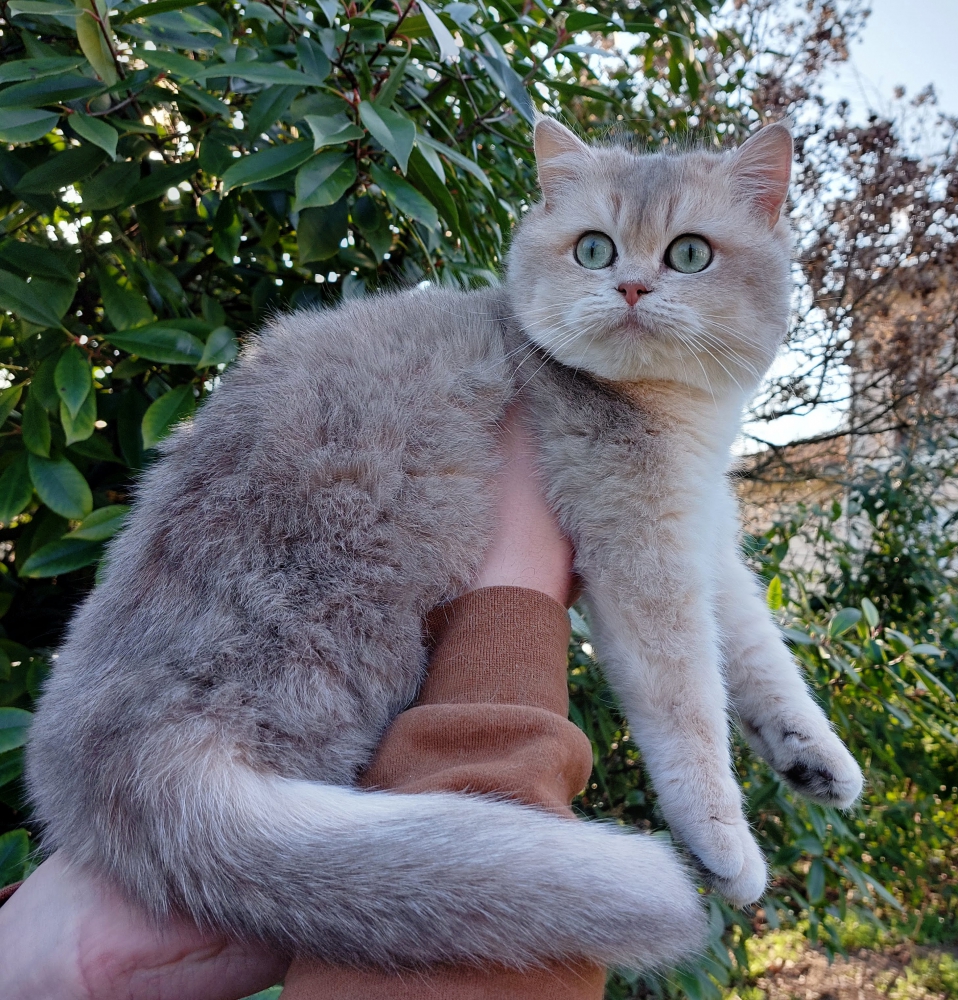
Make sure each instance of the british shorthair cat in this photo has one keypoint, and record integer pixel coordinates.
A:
(258, 624)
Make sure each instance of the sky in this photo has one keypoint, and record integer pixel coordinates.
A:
(908, 43)
(905, 42)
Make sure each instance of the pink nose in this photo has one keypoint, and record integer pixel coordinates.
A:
(632, 290)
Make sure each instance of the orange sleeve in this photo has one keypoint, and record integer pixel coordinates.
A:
(491, 717)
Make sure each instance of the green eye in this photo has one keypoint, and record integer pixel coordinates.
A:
(689, 254)
(595, 251)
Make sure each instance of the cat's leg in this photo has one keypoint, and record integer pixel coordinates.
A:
(660, 651)
(777, 714)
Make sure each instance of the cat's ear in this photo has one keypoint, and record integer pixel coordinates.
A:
(762, 168)
(559, 153)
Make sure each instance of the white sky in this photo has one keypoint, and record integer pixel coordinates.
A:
(905, 42)
(908, 43)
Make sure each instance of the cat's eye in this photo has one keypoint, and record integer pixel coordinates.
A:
(689, 254)
(595, 251)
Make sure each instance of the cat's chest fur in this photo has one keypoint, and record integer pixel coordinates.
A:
(628, 466)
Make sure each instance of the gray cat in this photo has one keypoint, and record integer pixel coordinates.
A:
(258, 625)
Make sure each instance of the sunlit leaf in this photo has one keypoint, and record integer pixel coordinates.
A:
(164, 412)
(96, 131)
(102, 524)
(405, 197)
(62, 556)
(164, 344)
(61, 486)
(392, 130)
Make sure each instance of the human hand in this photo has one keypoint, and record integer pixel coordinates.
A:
(65, 936)
(528, 548)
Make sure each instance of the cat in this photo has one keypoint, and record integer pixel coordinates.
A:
(257, 626)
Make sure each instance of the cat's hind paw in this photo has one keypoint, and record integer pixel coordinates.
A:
(730, 860)
(809, 757)
(820, 768)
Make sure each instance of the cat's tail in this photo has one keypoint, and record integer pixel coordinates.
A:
(374, 877)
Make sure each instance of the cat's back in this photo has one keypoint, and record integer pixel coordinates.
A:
(337, 449)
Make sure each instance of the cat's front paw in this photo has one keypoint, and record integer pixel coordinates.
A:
(814, 762)
(730, 858)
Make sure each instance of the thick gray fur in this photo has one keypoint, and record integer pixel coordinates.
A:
(258, 624)
(261, 616)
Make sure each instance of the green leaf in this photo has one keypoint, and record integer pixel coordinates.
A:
(42, 387)
(389, 90)
(25, 124)
(8, 400)
(40, 261)
(14, 851)
(227, 230)
(61, 170)
(110, 186)
(843, 621)
(405, 197)
(35, 69)
(42, 8)
(102, 524)
(73, 378)
(81, 426)
(324, 179)
(143, 10)
(18, 296)
(268, 108)
(428, 183)
(124, 307)
(391, 130)
(458, 159)
(97, 131)
(49, 90)
(221, 348)
(320, 231)
(62, 556)
(580, 20)
(816, 882)
(505, 78)
(870, 612)
(266, 164)
(61, 486)
(169, 409)
(204, 101)
(16, 490)
(160, 181)
(899, 714)
(164, 344)
(331, 130)
(448, 49)
(181, 66)
(773, 596)
(36, 426)
(273, 73)
(365, 31)
(312, 58)
(97, 448)
(925, 649)
(14, 726)
(373, 224)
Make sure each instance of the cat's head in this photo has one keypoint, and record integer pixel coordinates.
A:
(667, 266)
